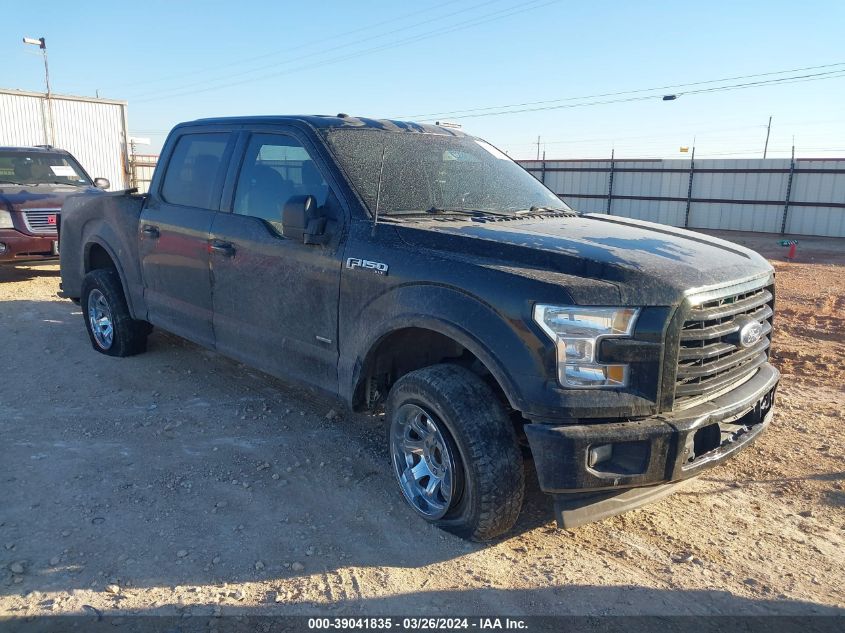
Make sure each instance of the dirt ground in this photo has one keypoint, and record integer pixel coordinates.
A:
(180, 482)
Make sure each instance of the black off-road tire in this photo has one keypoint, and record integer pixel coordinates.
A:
(488, 454)
(129, 335)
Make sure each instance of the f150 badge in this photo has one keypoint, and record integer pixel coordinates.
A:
(365, 264)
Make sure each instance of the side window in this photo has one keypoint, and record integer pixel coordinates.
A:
(195, 170)
(275, 168)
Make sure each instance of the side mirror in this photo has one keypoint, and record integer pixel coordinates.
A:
(102, 183)
(301, 220)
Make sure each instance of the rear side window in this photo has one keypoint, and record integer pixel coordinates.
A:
(195, 171)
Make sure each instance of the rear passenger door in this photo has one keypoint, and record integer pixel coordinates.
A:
(275, 298)
(174, 231)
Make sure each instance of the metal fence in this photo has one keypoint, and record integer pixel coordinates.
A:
(797, 197)
(141, 168)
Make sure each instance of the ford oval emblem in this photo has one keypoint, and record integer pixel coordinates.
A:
(750, 333)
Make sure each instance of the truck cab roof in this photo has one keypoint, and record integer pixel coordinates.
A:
(327, 122)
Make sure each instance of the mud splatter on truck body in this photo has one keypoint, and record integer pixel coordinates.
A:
(627, 355)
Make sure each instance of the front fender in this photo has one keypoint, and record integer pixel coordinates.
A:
(507, 347)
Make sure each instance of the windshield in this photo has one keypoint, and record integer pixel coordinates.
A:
(40, 168)
(433, 173)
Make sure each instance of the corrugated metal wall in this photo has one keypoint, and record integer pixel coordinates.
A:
(93, 130)
(732, 194)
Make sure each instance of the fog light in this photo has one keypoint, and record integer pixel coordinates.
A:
(599, 454)
(2, 248)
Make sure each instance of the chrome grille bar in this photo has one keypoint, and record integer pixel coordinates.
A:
(711, 357)
(37, 221)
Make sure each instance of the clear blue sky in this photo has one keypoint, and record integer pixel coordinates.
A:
(176, 61)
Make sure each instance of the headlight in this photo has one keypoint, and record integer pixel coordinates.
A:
(6, 220)
(577, 332)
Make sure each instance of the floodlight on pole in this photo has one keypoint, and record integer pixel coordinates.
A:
(42, 44)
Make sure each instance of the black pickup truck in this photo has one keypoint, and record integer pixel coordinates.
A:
(417, 270)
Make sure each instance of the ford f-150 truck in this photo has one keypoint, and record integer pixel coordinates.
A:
(417, 270)
(34, 182)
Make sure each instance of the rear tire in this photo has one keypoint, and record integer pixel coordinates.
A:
(110, 327)
(454, 452)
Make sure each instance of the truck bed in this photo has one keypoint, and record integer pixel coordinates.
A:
(108, 222)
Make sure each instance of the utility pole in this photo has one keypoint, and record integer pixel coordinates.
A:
(768, 130)
(538, 147)
(133, 183)
(42, 44)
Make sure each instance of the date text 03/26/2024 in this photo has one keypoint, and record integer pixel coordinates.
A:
(417, 623)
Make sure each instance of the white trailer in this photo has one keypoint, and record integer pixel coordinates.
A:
(93, 130)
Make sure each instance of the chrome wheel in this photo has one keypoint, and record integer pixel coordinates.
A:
(100, 319)
(423, 461)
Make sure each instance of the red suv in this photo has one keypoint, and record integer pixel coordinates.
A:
(34, 182)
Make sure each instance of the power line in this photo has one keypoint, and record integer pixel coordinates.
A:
(459, 26)
(324, 50)
(624, 92)
(783, 80)
(662, 134)
(245, 60)
(496, 15)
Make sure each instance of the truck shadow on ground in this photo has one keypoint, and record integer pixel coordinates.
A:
(13, 272)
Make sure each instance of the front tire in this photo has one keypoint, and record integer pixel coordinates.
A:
(110, 327)
(454, 452)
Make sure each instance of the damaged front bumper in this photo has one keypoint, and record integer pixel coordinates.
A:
(602, 469)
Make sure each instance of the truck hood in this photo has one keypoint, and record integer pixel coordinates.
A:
(17, 197)
(646, 263)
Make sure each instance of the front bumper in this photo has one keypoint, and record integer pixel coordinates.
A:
(20, 247)
(593, 463)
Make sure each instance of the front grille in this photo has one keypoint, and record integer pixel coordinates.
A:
(711, 360)
(38, 222)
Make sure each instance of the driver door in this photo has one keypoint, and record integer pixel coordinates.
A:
(275, 298)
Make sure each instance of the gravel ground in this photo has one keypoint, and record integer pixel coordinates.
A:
(180, 482)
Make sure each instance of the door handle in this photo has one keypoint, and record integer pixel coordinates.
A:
(223, 248)
(151, 232)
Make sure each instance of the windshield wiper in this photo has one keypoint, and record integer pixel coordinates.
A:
(546, 210)
(539, 209)
(448, 211)
(464, 211)
(12, 182)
